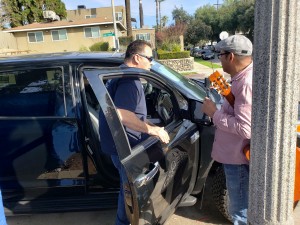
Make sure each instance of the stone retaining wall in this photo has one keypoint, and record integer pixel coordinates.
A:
(185, 64)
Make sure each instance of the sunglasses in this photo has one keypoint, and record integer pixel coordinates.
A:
(147, 57)
(220, 54)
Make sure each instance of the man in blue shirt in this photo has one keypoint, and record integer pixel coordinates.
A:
(129, 99)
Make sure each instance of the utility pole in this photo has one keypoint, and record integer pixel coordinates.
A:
(141, 14)
(115, 26)
(217, 4)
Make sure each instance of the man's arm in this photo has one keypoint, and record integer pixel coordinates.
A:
(130, 120)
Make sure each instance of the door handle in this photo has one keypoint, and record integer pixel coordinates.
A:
(144, 179)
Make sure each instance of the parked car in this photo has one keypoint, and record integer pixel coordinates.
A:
(50, 154)
(208, 54)
(197, 52)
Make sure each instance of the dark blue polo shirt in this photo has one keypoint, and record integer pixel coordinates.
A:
(126, 93)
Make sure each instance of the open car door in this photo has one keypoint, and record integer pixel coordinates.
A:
(160, 176)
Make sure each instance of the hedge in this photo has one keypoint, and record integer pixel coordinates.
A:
(99, 46)
(172, 55)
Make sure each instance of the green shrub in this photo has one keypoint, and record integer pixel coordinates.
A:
(125, 40)
(83, 49)
(99, 46)
(173, 55)
(171, 46)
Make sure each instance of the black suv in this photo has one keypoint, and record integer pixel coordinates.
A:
(50, 145)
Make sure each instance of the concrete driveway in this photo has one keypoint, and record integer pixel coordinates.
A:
(194, 215)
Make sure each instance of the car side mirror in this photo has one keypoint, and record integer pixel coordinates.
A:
(196, 114)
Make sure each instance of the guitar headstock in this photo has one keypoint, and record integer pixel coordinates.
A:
(219, 83)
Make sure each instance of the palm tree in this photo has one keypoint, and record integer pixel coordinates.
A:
(128, 18)
(159, 1)
(157, 7)
(164, 21)
(141, 14)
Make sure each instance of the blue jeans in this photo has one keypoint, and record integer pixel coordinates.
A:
(121, 212)
(2, 215)
(237, 183)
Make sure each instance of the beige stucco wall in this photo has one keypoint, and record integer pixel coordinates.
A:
(75, 41)
(7, 41)
(151, 31)
(105, 12)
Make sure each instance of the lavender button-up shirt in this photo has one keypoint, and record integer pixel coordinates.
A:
(233, 124)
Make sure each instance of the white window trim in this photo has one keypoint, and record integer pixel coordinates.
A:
(58, 35)
(35, 37)
(84, 33)
(119, 15)
(144, 34)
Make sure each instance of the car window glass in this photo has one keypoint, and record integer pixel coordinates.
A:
(34, 92)
(180, 82)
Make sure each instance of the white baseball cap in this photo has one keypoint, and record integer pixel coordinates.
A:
(237, 44)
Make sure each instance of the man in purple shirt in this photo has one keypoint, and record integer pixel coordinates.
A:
(233, 123)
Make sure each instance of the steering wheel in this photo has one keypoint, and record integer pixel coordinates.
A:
(164, 107)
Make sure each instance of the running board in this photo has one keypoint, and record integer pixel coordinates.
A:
(62, 204)
(188, 201)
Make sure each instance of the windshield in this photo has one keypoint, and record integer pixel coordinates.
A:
(183, 84)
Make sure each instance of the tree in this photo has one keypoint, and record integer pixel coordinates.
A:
(157, 7)
(180, 15)
(128, 18)
(159, 2)
(237, 16)
(21, 12)
(197, 31)
(164, 21)
(209, 15)
(168, 39)
(141, 14)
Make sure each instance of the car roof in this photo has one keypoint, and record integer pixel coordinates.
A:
(64, 56)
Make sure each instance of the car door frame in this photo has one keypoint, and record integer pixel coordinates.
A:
(127, 154)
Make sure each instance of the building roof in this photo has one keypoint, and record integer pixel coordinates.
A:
(64, 24)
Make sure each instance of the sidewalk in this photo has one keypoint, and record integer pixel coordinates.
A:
(202, 71)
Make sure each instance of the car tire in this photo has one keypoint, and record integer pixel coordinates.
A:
(219, 192)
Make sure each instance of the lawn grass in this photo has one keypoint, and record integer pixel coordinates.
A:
(207, 63)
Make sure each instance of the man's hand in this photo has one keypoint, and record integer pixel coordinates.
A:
(160, 133)
(209, 107)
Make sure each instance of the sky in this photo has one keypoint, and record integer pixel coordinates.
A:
(149, 7)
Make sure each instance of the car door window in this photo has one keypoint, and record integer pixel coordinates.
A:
(37, 117)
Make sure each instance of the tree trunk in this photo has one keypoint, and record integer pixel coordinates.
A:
(141, 15)
(128, 18)
(156, 1)
(159, 15)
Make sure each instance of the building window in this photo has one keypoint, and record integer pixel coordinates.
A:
(92, 32)
(119, 16)
(145, 37)
(90, 16)
(36, 36)
(59, 35)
